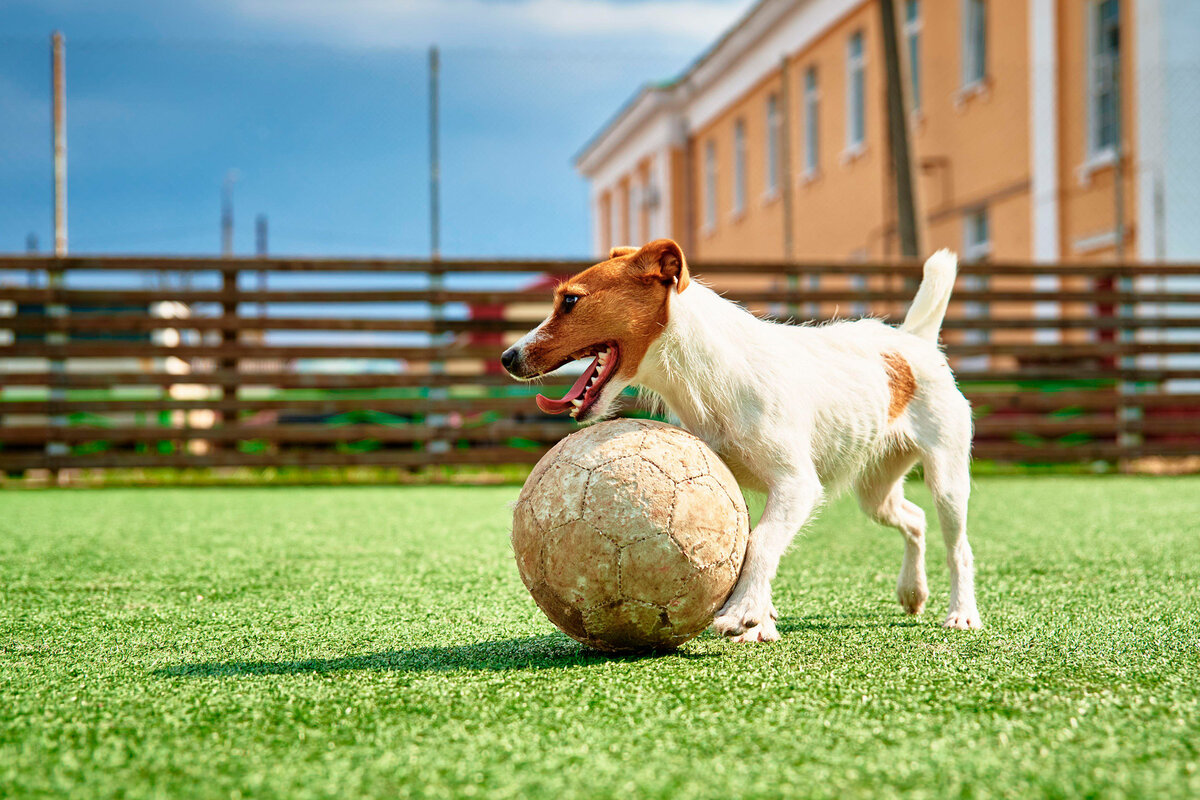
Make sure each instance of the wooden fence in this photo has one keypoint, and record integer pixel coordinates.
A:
(186, 362)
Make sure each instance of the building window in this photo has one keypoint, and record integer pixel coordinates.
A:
(812, 101)
(856, 93)
(1104, 63)
(710, 185)
(912, 37)
(977, 242)
(774, 138)
(604, 224)
(739, 166)
(977, 246)
(974, 44)
(650, 203)
(615, 234)
(634, 213)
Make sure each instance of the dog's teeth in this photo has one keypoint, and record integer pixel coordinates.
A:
(602, 358)
(577, 403)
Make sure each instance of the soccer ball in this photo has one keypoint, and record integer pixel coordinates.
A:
(630, 534)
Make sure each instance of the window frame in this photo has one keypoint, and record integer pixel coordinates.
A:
(970, 57)
(812, 121)
(774, 153)
(913, 28)
(856, 82)
(650, 202)
(614, 216)
(605, 223)
(739, 167)
(976, 250)
(1097, 151)
(982, 249)
(710, 185)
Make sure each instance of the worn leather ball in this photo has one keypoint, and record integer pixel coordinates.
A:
(630, 535)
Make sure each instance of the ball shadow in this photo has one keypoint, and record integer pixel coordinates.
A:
(553, 651)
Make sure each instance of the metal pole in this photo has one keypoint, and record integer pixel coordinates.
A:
(260, 249)
(230, 282)
(227, 213)
(435, 176)
(436, 281)
(57, 339)
(906, 207)
(31, 248)
(60, 144)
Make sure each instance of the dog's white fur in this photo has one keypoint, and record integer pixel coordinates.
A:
(802, 413)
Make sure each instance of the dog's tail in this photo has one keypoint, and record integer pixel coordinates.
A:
(925, 317)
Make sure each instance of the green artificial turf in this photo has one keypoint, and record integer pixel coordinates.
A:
(344, 642)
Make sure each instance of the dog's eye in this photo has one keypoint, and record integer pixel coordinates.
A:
(568, 302)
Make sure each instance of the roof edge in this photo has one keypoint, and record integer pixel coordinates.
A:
(625, 114)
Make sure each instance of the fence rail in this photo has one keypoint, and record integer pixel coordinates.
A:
(206, 362)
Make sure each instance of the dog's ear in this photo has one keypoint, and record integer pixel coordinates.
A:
(663, 261)
(624, 250)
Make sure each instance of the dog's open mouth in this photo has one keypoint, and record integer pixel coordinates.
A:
(583, 395)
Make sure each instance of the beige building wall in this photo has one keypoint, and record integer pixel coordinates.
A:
(972, 145)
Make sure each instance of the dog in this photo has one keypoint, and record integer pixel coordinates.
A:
(799, 412)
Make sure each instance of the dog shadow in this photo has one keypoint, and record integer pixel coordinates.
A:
(553, 651)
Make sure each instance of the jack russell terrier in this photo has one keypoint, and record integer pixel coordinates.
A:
(800, 412)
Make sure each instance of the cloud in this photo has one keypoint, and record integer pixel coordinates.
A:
(674, 24)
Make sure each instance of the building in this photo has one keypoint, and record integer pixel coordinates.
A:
(1040, 129)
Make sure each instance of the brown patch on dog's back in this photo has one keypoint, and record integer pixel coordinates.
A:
(902, 384)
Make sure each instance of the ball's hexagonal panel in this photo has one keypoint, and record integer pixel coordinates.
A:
(706, 522)
(654, 570)
(558, 496)
(629, 626)
(599, 444)
(693, 608)
(566, 618)
(527, 538)
(676, 452)
(543, 464)
(581, 565)
(628, 499)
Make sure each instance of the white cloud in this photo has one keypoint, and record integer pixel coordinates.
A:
(676, 24)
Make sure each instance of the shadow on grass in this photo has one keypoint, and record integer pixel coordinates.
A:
(531, 652)
(845, 622)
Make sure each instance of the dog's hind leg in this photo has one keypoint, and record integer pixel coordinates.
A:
(948, 475)
(881, 495)
(748, 615)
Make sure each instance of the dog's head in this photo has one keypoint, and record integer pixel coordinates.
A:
(611, 312)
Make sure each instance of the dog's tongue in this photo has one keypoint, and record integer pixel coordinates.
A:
(563, 405)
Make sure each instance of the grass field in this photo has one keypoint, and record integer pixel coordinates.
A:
(342, 642)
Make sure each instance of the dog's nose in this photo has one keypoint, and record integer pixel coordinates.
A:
(508, 358)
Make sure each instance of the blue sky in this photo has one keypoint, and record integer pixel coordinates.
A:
(321, 108)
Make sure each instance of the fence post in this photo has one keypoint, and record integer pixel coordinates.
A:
(437, 367)
(228, 366)
(1129, 411)
(56, 342)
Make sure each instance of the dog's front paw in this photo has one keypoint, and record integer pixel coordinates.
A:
(963, 620)
(747, 619)
(766, 632)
